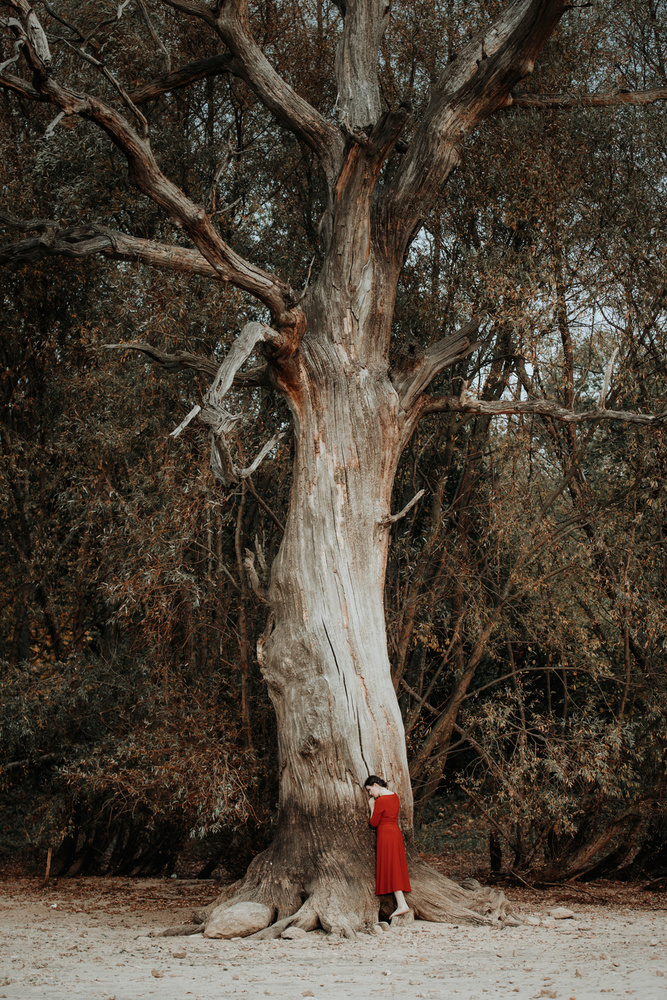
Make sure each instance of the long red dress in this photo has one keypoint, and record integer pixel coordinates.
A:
(391, 873)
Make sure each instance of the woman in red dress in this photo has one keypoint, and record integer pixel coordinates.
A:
(391, 873)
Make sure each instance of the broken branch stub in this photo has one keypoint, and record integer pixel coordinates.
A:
(219, 419)
(393, 518)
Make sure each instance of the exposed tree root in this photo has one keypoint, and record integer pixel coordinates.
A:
(342, 902)
(180, 930)
(438, 898)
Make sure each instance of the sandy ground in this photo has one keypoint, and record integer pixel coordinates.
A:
(89, 938)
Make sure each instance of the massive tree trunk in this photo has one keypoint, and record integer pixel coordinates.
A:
(326, 662)
(324, 656)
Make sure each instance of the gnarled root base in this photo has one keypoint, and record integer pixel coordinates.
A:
(339, 898)
(438, 898)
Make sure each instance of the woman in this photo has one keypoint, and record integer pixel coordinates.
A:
(391, 865)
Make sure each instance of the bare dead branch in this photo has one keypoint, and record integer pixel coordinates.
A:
(536, 407)
(251, 335)
(19, 86)
(192, 9)
(392, 518)
(210, 200)
(261, 558)
(18, 45)
(183, 77)
(183, 360)
(261, 455)
(85, 241)
(195, 411)
(170, 362)
(216, 416)
(607, 381)
(253, 576)
(33, 33)
(562, 102)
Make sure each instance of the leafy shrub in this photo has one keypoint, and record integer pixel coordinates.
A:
(563, 795)
(114, 764)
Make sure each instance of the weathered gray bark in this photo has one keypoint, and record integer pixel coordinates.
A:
(324, 656)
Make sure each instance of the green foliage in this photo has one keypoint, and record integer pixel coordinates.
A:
(87, 743)
(452, 824)
(121, 693)
(559, 791)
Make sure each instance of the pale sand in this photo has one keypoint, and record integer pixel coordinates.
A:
(101, 951)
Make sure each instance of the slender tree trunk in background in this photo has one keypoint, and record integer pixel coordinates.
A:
(244, 650)
(80, 591)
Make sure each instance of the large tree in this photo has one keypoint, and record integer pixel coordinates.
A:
(383, 155)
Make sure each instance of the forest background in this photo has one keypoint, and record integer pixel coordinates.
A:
(525, 593)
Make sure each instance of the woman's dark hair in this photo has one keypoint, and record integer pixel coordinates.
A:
(373, 779)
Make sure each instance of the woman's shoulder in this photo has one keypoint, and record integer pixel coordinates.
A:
(394, 800)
